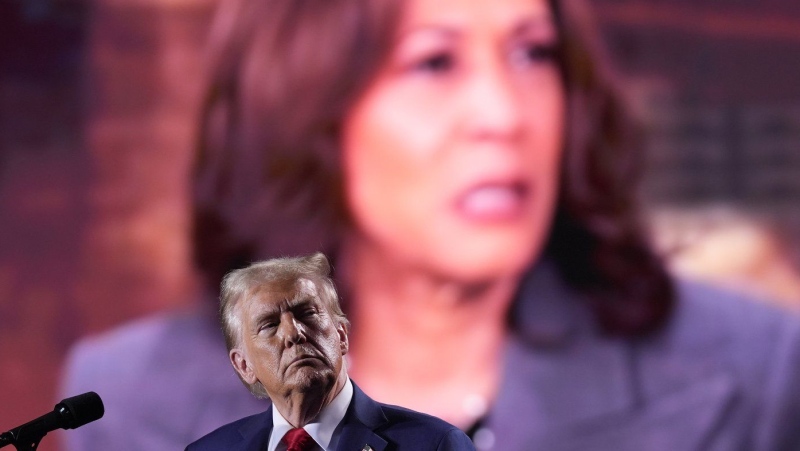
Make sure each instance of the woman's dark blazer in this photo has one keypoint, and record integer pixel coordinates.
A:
(724, 374)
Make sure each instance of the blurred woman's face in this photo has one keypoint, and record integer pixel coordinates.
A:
(451, 155)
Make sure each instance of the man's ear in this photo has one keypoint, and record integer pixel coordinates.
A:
(344, 344)
(242, 366)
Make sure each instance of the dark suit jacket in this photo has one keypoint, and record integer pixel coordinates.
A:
(381, 426)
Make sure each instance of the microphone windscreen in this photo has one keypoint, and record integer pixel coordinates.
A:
(81, 409)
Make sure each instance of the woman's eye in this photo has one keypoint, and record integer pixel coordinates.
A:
(440, 62)
(535, 54)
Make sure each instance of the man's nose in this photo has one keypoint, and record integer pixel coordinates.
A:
(292, 330)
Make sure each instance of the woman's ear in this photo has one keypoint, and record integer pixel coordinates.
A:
(242, 366)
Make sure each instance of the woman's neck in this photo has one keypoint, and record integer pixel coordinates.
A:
(423, 342)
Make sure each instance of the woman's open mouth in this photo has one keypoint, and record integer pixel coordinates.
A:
(493, 201)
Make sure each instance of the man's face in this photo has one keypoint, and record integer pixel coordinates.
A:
(289, 341)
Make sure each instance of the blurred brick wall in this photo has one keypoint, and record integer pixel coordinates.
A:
(718, 86)
(43, 207)
(96, 126)
(142, 84)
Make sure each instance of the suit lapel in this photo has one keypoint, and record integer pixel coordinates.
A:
(363, 416)
(255, 433)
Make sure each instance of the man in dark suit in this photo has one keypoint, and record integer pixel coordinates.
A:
(287, 336)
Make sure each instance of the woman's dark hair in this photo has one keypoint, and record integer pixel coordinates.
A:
(268, 182)
(597, 240)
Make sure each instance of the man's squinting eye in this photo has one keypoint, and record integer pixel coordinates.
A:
(306, 312)
(268, 325)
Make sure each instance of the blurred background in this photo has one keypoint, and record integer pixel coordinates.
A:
(97, 109)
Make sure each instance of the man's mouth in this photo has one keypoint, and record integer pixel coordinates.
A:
(305, 359)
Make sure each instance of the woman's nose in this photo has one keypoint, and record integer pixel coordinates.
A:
(494, 106)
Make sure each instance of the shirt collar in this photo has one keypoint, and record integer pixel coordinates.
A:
(322, 428)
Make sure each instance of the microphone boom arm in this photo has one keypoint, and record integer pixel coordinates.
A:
(68, 414)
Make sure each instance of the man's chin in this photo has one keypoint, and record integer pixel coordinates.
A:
(306, 379)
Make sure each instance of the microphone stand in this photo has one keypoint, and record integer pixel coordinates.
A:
(70, 413)
(22, 441)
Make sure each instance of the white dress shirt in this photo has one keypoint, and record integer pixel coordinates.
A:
(324, 429)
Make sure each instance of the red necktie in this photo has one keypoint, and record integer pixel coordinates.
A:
(297, 439)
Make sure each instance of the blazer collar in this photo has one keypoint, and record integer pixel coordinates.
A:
(255, 431)
(363, 417)
(545, 389)
(547, 312)
(566, 383)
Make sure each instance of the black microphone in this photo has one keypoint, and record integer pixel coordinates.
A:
(68, 414)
